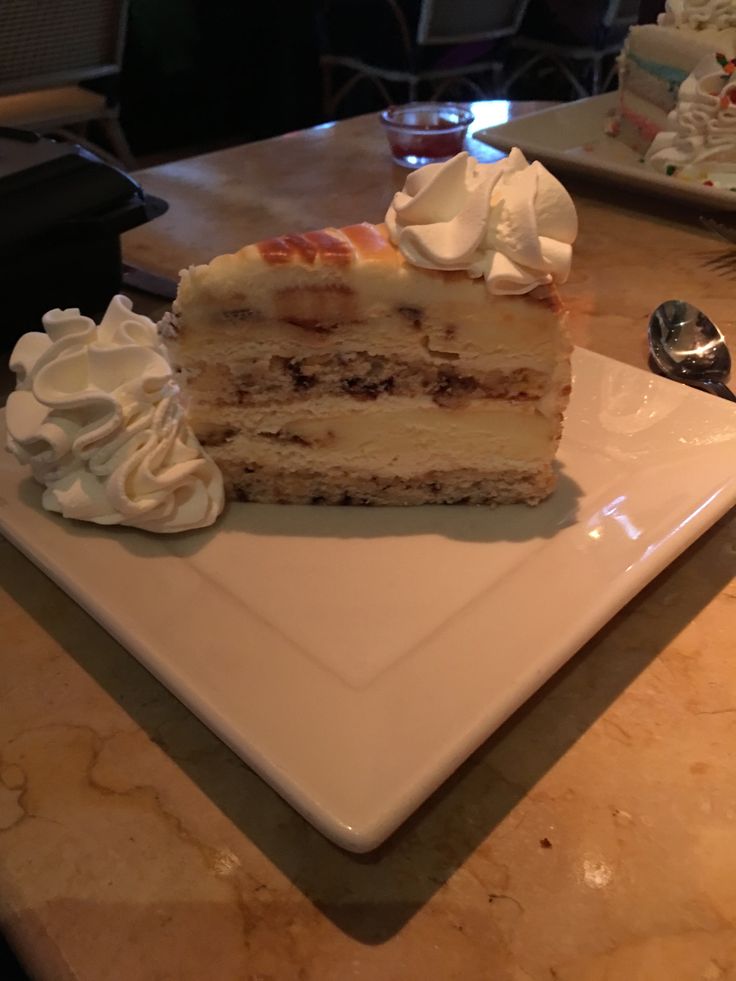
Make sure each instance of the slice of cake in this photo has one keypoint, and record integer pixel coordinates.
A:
(699, 140)
(421, 361)
(657, 58)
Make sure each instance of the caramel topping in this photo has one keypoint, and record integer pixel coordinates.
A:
(367, 239)
(330, 248)
(301, 245)
(276, 249)
(286, 248)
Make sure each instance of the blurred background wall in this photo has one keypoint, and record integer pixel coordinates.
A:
(203, 71)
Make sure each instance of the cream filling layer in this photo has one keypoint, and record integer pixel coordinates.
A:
(230, 281)
(517, 341)
(401, 440)
(637, 108)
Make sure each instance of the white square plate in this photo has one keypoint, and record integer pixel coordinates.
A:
(571, 138)
(355, 656)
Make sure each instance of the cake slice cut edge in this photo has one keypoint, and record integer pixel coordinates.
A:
(324, 368)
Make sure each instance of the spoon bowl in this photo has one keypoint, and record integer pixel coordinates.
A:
(686, 345)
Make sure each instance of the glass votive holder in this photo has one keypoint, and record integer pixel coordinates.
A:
(425, 132)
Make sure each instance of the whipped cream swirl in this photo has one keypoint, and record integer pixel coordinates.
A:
(700, 141)
(97, 415)
(699, 14)
(511, 222)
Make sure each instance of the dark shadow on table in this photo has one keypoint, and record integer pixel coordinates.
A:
(371, 897)
(723, 264)
(639, 201)
(10, 969)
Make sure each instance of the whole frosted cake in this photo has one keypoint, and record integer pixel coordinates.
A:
(424, 360)
(675, 103)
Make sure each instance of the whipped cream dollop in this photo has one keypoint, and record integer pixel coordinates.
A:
(700, 140)
(699, 14)
(97, 415)
(510, 222)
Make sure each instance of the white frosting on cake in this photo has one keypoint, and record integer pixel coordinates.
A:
(510, 222)
(699, 14)
(700, 139)
(97, 415)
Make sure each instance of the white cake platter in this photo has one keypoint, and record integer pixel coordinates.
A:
(354, 657)
(571, 138)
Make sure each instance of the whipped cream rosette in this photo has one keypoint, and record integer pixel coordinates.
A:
(699, 14)
(700, 142)
(510, 222)
(97, 415)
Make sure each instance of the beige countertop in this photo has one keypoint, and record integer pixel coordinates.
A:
(593, 838)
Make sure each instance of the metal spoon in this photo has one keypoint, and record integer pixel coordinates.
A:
(686, 346)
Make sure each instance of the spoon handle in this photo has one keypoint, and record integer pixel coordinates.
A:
(717, 388)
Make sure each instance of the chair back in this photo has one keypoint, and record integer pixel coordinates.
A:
(621, 13)
(463, 21)
(44, 43)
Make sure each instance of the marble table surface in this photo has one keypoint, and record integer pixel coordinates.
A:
(592, 838)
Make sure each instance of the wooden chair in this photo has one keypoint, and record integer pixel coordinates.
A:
(409, 55)
(47, 49)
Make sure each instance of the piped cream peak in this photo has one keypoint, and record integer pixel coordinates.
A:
(510, 222)
(96, 414)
